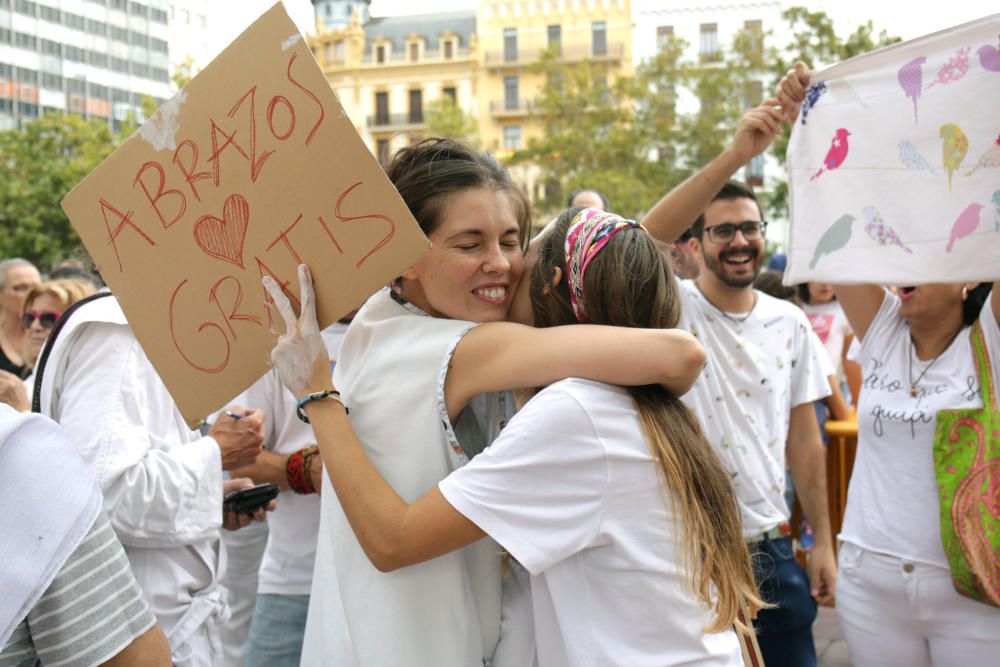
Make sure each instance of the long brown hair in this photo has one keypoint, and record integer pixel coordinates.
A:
(629, 284)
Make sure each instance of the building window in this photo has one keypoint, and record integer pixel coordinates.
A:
(510, 44)
(511, 99)
(416, 106)
(708, 44)
(414, 52)
(599, 38)
(449, 49)
(338, 51)
(451, 93)
(512, 137)
(755, 171)
(382, 108)
(382, 151)
(664, 34)
(555, 38)
(327, 52)
(380, 54)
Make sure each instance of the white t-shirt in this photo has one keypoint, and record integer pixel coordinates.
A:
(892, 500)
(287, 564)
(832, 328)
(758, 369)
(571, 491)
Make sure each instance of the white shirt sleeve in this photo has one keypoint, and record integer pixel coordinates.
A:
(539, 489)
(811, 365)
(159, 491)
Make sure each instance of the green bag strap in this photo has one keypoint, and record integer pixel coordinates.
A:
(982, 359)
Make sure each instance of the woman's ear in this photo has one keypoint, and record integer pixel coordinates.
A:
(557, 276)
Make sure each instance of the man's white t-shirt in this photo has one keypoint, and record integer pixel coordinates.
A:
(892, 500)
(571, 490)
(758, 369)
(832, 328)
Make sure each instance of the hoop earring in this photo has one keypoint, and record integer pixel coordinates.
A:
(965, 293)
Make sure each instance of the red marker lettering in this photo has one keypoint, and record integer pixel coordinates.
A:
(160, 192)
(124, 220)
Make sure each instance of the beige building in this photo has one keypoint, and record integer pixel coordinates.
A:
(388, 71)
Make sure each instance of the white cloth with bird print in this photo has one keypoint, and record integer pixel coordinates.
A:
(894, 164)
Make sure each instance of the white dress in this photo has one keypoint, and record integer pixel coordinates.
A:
(445, 612)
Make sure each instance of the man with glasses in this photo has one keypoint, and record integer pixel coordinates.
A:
(765, 368)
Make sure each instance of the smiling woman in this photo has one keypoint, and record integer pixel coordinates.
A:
(426, 385)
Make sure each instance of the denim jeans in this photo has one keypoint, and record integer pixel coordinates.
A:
(276, 631)
(785, 631)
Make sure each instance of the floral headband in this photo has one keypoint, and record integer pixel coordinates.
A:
(590, 231)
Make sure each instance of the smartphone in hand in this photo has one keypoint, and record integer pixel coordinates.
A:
(250, 500)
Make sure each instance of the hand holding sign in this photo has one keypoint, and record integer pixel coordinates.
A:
(250, 171)
(300, 357)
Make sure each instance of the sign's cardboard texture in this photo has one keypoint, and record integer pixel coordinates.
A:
(250, 170)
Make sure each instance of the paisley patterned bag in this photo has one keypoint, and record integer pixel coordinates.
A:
(967, 466)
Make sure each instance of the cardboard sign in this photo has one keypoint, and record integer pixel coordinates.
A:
(252, 169)
(894, 164)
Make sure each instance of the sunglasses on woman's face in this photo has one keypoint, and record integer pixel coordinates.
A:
(47, 318)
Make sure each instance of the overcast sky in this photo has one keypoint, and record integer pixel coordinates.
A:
(898, 17)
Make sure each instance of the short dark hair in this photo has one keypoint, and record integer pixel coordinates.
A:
(572, 196)
(427, 173)
(731, 190)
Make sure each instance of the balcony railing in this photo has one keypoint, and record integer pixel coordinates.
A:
(567, 54)
(395, 122)
(403, 57)
(505, 109)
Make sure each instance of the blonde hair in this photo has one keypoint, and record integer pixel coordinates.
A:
(67, 290)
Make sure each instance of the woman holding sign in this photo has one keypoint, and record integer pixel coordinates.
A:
(576, 487)
(916, 510)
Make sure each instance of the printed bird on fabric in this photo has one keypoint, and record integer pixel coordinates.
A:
(954, 148)
(965, 224)
(836, 155)
(989, 158)
(834, 238)
(954, 69)
(880, 232)
(912, 158)
(989, 58)
(911, 78)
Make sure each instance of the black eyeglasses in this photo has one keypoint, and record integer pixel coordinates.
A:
(47, 318)
(752, 230)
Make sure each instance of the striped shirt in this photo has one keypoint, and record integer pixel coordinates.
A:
(92, 610)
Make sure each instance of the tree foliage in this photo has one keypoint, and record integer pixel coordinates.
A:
(627, 138)
(446, 119)
(39, 165)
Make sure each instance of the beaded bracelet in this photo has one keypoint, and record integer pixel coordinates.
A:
(318, 396)
(297, 470)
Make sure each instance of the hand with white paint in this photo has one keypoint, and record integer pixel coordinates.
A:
(300, 357)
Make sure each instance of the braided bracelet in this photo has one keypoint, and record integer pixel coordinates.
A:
(297, 470)
(317, 396)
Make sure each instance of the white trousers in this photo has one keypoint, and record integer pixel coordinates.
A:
(894, 612)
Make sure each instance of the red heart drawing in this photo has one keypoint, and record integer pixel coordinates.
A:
(224, 238)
